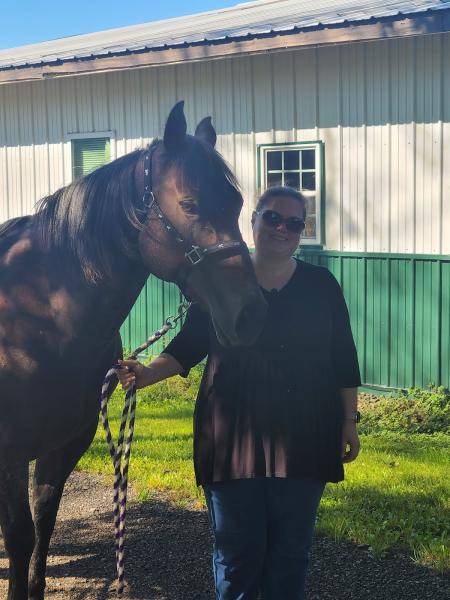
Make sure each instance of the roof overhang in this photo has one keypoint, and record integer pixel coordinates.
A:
(342, 33)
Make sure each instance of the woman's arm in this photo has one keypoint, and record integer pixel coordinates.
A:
(343, 348)
(350, 439)
(162, 367)
(349, 401)
(346, 369)
(187, 349)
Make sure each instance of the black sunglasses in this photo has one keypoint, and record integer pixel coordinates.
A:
(273, 219)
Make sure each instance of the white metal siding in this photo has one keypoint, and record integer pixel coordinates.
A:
(381, 108)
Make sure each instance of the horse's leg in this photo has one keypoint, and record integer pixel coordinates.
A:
(50, 475)
(17, 527)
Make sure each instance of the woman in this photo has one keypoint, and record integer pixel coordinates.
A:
(273, 421)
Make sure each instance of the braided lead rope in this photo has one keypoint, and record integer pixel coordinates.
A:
(128, 417)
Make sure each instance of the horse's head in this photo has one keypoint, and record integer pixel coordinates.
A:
(191, 235)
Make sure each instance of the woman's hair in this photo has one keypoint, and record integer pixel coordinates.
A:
(280, 190)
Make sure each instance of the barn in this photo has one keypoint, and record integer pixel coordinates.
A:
(346, 100)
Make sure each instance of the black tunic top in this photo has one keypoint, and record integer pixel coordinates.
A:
(273, 409)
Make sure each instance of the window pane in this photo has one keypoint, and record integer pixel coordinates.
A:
(310, 205)
(308, 159)
(274, 160)
(292, 179)
(308, 181)
(291, 160)
(273, 179)
(310, 227)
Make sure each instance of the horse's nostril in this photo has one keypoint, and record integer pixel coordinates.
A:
(250, 321)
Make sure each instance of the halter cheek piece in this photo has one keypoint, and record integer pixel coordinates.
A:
(193, 254)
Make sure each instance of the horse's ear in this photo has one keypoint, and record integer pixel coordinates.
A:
(206, 132)
(176, 126)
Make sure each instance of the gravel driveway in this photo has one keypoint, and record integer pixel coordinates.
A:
(169, 557)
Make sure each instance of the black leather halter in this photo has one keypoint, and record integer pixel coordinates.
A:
(193, 254)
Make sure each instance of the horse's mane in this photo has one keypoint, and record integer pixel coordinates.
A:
(94, 221)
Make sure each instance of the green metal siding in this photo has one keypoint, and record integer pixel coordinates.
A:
(157, 301)
(399, 309)
(399, 312)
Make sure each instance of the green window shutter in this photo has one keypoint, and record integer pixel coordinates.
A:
(89, 154)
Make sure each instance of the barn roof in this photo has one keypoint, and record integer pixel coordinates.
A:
(252, 20)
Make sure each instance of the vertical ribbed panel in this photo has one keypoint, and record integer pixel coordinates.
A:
(402, 146)
(445, 211)
(284, 97)
(402, 303)
(353, 146)
(244, 147)
(382, 110)
(264, 111)
(224, 109)
(444, 345)
(399, 312)
(327, 75)
(306, 103)
(56, 164)
(5, 210)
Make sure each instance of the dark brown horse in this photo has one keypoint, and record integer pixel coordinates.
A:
(69, 276)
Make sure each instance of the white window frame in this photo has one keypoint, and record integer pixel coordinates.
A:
(318, 147)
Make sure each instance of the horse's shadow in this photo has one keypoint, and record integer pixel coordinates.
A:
(168, 555)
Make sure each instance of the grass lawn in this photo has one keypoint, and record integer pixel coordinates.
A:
(395, 496)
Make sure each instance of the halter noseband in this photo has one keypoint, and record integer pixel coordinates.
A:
(193, 254)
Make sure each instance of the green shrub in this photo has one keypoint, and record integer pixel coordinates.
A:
(412, 411)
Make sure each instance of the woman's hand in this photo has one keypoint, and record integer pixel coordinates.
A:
(131, 372)
(350, 441)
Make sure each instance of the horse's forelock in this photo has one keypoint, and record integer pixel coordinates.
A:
(203, 169)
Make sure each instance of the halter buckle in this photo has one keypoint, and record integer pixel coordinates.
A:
(194, 256)
(148, 203)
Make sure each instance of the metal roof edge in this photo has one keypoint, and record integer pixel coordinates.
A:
(433, 15)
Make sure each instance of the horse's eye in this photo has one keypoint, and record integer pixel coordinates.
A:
(189, 206)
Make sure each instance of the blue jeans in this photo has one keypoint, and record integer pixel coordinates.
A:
(263, 530)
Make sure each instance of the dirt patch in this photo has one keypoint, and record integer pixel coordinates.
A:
(169, 556)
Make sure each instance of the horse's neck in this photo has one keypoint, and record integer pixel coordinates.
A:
(110, 302)
(102, 304)
(81, 311)
(56, 297)
(99, 309)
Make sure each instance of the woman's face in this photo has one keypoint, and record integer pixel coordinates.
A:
(277, 241)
